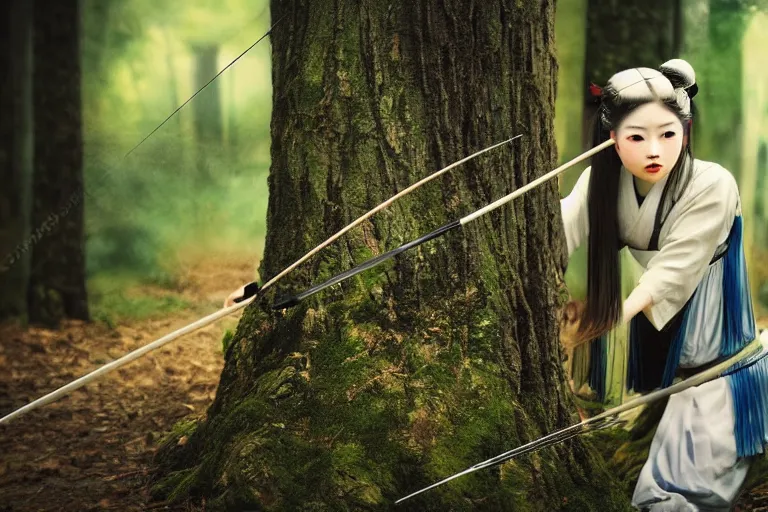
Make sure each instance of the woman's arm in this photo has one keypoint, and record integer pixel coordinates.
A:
(639, 300)
(574, 212)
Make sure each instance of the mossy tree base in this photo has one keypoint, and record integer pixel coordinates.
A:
(361, 414)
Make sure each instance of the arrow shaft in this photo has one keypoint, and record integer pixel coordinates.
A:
(535, 183)
(748, 355)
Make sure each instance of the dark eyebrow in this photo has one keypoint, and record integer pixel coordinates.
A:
(643, 128)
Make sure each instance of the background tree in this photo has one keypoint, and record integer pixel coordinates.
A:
(57, 277)
(207, 110)
(15, 157)
(446, 356)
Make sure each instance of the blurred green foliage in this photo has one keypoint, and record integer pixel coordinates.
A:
(138, 63)
(178, 194)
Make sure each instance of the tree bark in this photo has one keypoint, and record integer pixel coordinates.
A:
(444, 357)
(57, 280)
(15, 157)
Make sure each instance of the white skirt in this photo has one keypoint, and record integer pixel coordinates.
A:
(693, 464)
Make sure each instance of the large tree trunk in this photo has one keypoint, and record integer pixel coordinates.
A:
(448, 355)
(57, 278)
(15, 156)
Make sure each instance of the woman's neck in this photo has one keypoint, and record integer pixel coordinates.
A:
(642, 186)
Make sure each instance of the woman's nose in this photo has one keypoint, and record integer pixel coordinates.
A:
(653, 150)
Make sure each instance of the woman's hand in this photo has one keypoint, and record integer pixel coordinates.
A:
(232, 299)
(637, 301)
(244, 292)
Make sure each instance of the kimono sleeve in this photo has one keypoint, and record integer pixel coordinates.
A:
(686, 251)
(575, 213)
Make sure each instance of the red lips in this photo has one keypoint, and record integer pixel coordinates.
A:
(653, 168)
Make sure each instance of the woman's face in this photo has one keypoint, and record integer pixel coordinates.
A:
(649, 141)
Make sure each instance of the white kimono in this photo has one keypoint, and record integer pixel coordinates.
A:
(694, 462)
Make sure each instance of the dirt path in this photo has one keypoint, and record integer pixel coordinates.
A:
(90, 450)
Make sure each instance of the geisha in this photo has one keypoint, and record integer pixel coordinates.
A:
(680, 218)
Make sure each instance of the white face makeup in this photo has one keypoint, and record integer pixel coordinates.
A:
(649, 142)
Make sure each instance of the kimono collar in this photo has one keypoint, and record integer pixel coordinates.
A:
(636, 221)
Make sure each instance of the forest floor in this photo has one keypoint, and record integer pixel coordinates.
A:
(93, 449)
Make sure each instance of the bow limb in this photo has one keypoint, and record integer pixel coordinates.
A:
(295, 299)
(226, 311)
(378, 208)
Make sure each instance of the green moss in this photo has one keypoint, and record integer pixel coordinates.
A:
(179, 484)
(185, 427)
(226, 340)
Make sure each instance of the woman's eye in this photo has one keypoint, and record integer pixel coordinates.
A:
(669, 135)
(635, 138)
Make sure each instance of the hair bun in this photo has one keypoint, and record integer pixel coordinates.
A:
(679, 73)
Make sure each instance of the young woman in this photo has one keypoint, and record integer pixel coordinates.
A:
(681, 220)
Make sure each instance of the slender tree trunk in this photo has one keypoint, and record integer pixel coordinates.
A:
(761, 199)
(176, 147)
(629, 34)
(759, 270)
(719, 134)
(571, 39)
(449, 354)
(57, 280)
(15, 158)
(230, 106)
(208, 122)
(754, 114)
